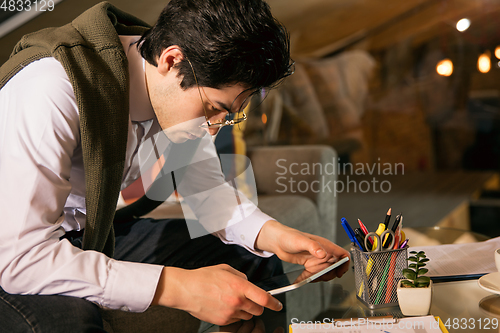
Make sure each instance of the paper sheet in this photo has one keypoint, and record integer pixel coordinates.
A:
(426, 324)
(460, 259)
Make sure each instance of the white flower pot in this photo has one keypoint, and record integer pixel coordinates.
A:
(414, 301)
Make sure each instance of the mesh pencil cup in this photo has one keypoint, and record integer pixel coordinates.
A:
(377, 275)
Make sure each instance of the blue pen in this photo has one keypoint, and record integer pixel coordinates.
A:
(347, 232)
(346, 228)
(350, 233)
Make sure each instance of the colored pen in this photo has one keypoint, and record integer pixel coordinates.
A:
(357, 242)
(392, 266)
(404, 243)
(363, 227)
(397, 221)
(348, 226)
(365, 232)
(397, 235)
(358, 231)
(394, 227)
(382, 285)
(390, 279)
(360, 238)
(350, 233)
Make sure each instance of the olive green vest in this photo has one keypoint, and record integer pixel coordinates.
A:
(92, 55)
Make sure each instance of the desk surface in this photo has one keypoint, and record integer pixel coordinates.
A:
(463, 303)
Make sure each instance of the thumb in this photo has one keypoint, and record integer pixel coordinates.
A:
(313, 247)
(318, 251)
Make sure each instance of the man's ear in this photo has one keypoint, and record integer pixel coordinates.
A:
(168, 58)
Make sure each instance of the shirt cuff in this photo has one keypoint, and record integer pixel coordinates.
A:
(245, 233)
(131, 286)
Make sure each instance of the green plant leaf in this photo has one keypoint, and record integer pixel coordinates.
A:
(419, 264)
(425, 260)
(412, 252)
(407, 283)
(422, 271)
(412, 259)
(422, 285)
(421, 255)
(413, 266)
(409, 274)
(423, 279)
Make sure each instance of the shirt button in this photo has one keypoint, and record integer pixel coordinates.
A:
(242, 237)
(125, 308)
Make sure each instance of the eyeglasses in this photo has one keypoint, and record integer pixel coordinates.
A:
(230, 118)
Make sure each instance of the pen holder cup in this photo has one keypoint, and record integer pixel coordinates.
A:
(377, 275)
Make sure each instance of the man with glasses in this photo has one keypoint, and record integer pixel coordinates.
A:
(84, 110)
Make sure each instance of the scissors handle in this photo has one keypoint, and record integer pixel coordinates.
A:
(369, 247)
(392, 238)
(378, 240)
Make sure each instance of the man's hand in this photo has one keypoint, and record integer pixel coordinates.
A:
(217, 294)
(311, 251)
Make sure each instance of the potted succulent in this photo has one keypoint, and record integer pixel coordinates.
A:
(415, 292)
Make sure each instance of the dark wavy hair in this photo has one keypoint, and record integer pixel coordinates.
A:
(227, 42)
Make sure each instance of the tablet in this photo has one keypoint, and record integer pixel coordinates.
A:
(295, 279)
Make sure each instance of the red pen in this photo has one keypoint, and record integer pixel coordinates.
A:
(363, 228)
(397, 235)
(365, 231)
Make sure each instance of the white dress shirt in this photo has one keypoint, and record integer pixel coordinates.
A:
(42, 191)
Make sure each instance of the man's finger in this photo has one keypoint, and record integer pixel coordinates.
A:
(305, 243)
(262, 298)
(315, 248)
(243, 315)
(253, 308)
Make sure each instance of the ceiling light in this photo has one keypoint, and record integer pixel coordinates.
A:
(497, 52)
(484, 62)
(264, 118)
(444, 67)
(463, 24)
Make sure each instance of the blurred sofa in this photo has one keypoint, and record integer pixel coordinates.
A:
(307, 208)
